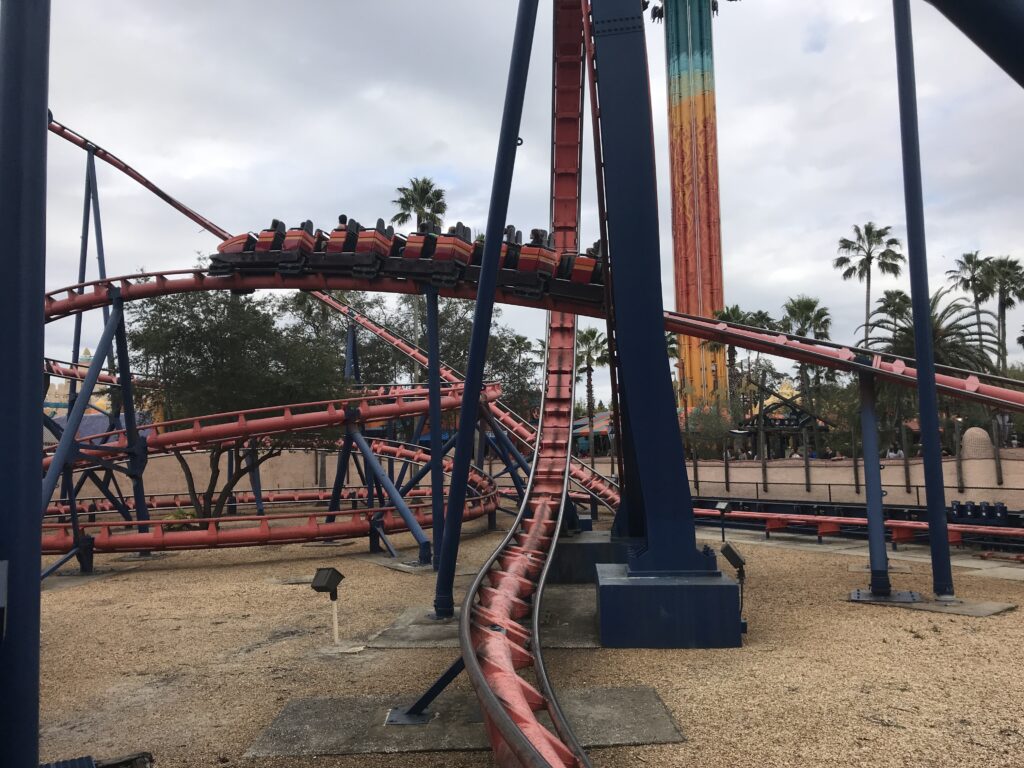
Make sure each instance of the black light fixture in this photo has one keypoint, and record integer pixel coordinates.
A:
(736, 561)
(724, 508)
(326, 580)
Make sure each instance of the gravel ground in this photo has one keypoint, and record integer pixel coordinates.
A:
(190, 656)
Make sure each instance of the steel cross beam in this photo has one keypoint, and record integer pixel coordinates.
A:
(376, 473)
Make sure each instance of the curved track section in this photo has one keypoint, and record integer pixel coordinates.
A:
(278, 528)
(596, 484)
(186, 434)
(498, 628)
(954, 382)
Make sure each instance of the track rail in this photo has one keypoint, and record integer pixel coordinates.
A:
(276, 528)
(964, 385)
(185, 434)
(596, 484)
(507, 592)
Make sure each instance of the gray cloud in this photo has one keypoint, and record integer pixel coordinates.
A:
(253, 110)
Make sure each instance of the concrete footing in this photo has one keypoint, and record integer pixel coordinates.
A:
(356, 725)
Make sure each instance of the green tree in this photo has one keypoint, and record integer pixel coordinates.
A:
(871, 246)
(591, 352)
(804, 316)
(731, 314)
(422, 200)
(215, 352)
(1005, 278)
(971, 275)
(957, 340)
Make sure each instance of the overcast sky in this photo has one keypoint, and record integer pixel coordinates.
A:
(251, 110)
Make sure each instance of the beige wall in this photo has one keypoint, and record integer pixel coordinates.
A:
(831, 481)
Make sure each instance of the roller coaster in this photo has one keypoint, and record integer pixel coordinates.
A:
(616, 280)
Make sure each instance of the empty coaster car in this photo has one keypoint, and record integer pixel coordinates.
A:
(580, 276)
(248, 253)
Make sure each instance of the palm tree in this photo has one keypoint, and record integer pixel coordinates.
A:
(761, 319)
(895, 304)
(971, 275)
(804, 316)
(591, 353)
(1005, 278)
(958, 339)
(735, 315)
(672, 345)
(421, 199)
(871, 245)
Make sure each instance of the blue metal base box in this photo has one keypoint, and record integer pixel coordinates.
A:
(576, 556)
(667, 611)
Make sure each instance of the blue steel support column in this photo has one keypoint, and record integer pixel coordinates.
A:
(254, 478)
(352, 355)
(138, 453)
(880, 584)
(420, 473)
(62, 453)
(657, 509)
(935, 484)
(500, 435)
(436, 453)
(375, 470)
(504, 164)
(340, 475)
(83, 255)
(24, 77)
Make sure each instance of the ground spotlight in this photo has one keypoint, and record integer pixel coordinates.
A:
(326, 580)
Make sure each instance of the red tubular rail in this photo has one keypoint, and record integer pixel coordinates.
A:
(218, 428)
(281, 528)
(67, 301)
(515, 425)
(80, 141)
(902, 530)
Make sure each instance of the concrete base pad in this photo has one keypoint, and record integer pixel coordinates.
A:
(407, 566)
(601, 717)
(567, 621)
(576, 556)
(416, 629)
(568, 617)
(958, 607)
(670, 611)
